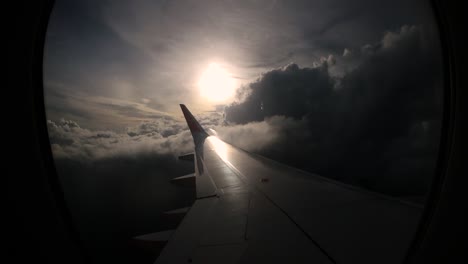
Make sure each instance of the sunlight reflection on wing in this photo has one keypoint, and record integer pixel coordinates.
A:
(219, 147)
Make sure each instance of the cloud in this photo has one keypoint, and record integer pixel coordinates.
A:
(346, 52)
(258, 136)
(210, 119)
(163, 127)
(380, 129)
(331, 60)
(288, 91)
(70, 141)
(391, 39)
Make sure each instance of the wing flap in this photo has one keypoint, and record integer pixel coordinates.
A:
(204, 184)
(186, 180)
(162, 236)
(187, 157)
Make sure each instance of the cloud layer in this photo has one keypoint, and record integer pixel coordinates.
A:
(70, 141)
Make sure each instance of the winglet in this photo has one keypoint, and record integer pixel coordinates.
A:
(198, 133)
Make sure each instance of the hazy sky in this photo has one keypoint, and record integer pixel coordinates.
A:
(112, 64)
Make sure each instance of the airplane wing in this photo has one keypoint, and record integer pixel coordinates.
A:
(250, 209)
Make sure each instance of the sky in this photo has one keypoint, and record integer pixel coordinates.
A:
(350, 90)
(109, 64)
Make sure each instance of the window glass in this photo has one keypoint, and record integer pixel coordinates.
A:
(349, 90)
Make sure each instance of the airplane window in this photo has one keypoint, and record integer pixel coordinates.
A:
(337, 104)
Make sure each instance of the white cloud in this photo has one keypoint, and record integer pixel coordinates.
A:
(331, 60)
(390, 39)
(257, 136)
(346, 52)
(69, 140)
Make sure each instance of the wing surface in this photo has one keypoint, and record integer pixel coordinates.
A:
(250, 209)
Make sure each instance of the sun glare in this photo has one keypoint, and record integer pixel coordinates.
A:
(219, 147)
(216, 84)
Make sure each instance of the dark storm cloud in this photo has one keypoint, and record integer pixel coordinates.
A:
(289, 91)
(351, 23)
(377, 126)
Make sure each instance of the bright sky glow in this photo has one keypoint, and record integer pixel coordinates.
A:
(216, 84)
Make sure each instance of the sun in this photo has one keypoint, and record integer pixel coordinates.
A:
(216, 84)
